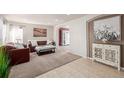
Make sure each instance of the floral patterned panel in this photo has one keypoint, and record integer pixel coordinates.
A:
(110, 55)
(98, 53)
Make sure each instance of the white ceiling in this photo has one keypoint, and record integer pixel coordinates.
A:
(45, 19)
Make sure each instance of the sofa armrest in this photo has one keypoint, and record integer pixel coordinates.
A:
(31, 48)
(19, 56)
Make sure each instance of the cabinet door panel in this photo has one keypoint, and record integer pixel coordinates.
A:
(98, 52)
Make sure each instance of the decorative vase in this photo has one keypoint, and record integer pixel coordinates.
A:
(104, 40)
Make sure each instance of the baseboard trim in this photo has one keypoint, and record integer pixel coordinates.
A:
(90, 58)
(122, 68)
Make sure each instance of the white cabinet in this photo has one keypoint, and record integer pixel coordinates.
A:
(107, 54)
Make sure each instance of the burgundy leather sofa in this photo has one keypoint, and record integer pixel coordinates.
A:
(17, 56)
(39, 43)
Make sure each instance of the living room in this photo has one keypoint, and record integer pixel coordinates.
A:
(18, 33)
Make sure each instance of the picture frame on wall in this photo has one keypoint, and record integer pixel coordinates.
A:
(39, 32)
(108, 29)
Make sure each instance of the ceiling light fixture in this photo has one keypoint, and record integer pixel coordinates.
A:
(48, 23)
(56, 20)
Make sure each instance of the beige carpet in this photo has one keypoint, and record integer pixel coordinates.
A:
(41, 64)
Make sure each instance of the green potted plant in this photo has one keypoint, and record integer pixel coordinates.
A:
(4, 63)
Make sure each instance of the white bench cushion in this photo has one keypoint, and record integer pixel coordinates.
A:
(44, 47)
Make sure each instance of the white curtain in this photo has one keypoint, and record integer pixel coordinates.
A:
(16, 34)
(4, 33)
(1, 31)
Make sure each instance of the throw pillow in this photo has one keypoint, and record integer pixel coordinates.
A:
(19, 46)
(34, 43)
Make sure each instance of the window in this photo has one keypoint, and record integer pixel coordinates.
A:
(1, 32)
(16, 34)
(4, 33)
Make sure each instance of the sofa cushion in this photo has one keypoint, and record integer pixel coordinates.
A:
(34, 43)
(8, 48)
(41, 42)
(49, 42)
(45, 47)
(18, 46)
(10, 44)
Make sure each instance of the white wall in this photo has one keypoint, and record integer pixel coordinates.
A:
(77, 33)
(28, 31)
(1, 29)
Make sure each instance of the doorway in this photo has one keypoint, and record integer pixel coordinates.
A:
(64, 37)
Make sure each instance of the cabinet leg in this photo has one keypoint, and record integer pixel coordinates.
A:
(119, 68)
